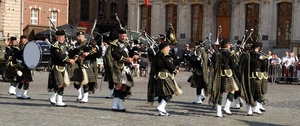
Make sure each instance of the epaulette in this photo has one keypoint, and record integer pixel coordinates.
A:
(16, 47)
(232, 53)
(115, 42)
(55, 45)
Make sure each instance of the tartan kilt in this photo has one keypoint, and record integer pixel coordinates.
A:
(75, 73)
(228, 84)
(90, 74)
(58, 76)
(164, 87)
(26, 73)
(264, 86)
(11, 71)
(256, 87)
(197, 80)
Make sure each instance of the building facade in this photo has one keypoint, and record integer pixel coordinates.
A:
(27, 17)
(10, 17)
(274, 22)
(36, 15)
(84, 12)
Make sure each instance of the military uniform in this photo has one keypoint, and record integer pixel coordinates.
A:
(83, 72)
(225, 79)
(164, 73)
(26, 76)
(12, 65)
(199, 79)
(258, 73)
(118, 70)
(59, 76)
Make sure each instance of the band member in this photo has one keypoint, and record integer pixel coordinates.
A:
(246, 90)
(26, 76)
(225, 79)
(12, 63)
(86, 62)
(164, 86)
(257, 73)
(59, 76)
(118, 67)
(199, 79)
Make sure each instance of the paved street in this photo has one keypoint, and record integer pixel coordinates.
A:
(283, 103)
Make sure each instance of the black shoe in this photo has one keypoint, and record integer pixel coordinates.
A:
(249, 114)
(61, 105)
(262, 110)
(196, 103)
(113, 109)
(122, 110)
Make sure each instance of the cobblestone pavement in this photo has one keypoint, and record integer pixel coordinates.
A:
(283, 102)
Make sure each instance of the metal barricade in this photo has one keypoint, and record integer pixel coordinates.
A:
(286, 74)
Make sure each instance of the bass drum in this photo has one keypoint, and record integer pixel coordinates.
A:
(37, 54)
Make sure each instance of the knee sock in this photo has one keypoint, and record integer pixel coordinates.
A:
(77, 86)
(85, 88)
(220, 100)
(20, 85)
(26, 86)
(230, 96)
(198, 91)
(167, 98)
(117, 93)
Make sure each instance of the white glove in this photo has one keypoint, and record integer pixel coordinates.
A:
(19, 73)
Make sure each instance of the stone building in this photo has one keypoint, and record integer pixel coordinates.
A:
(84, 12)
(274, 22)
(10, 17)
(28, 17)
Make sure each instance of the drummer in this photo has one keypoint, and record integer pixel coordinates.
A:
(25, 77)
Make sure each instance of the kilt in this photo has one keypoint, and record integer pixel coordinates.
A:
(26, 73)
(164, 86)
(256, 87)
(197, 80)
(264, 85)
(228, 84)
(75, 73)
(58, 75)
(90, 73)
(11, 71)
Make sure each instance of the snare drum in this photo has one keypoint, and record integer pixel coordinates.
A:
(36, 54)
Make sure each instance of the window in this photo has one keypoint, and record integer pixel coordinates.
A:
(171, 16)
(126, 13)
(53, 17)
(146, 18)
(84, 10)
(252, 20)
(196, 22)
(34, 16)
(113, 10)
(284, 23)
(101, 13)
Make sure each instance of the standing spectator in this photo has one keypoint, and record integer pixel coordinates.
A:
(185, 53)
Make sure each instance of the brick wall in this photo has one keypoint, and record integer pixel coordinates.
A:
(10, 17)
(45, 7)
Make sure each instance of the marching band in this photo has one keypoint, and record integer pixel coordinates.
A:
(242, 71)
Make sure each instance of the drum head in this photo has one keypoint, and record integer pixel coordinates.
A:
(32, 54)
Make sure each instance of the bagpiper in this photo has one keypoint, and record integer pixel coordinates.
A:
(59, 75)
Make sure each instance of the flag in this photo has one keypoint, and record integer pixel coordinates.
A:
(147, 2)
